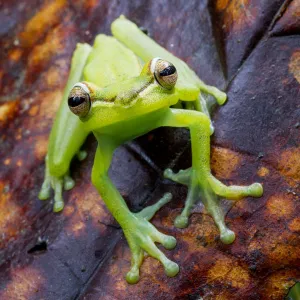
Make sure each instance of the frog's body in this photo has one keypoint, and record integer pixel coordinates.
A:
(131, 104)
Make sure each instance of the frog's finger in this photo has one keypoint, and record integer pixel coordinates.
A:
(149, 211)
(45, 191)
(171, 268)
(169, 242)
(133, 276)
(58, 199)
(68, 182)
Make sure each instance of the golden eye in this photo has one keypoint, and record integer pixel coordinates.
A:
(165, 73)
(79, 100)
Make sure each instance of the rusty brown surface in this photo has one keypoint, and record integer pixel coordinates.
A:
(81, 252)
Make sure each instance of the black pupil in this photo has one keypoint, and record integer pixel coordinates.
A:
(75, 101)
(168, 71)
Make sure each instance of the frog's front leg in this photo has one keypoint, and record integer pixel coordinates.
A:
(199, 179)
(66, 138)
(139, 232)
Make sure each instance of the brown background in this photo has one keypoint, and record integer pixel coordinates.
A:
(249, 48)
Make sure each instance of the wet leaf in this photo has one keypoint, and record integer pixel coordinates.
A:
(249, 48)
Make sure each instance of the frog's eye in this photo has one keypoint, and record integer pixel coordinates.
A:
(79, 100)
(164, 72)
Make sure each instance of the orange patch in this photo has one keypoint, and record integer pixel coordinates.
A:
(50, 103)
(15, 54)
(280, 205)
(221, 4)
(224, 162)
(53, 75)
(262, 172)
(41, 146)
(279, 283)
(9, 213)
(289, 165)
(19, 163)
(33, 110)
(90, 4)
(239, 14)
(24, 284)
(46, 17)
(294, 65)
(294, 225)
(226, 270)
(8, 110)
(7, 161)
(53, 45)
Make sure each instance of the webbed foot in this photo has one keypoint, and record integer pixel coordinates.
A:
(210, 189)
(142, 236)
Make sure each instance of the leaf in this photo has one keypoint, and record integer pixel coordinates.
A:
(249, 48)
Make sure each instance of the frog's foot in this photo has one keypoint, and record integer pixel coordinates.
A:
(210, 189)
(142, 236)
(57, 184)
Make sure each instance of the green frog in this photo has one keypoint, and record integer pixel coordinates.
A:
(110, 94)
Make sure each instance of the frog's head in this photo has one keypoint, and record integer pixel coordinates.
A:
(153, 89)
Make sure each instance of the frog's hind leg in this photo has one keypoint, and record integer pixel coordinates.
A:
(199, 175)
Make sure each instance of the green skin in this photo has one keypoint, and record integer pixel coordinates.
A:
(127, 99)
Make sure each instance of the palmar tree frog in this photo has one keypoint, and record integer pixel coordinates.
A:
(118, 102)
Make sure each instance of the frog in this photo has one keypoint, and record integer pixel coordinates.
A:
(132, 102)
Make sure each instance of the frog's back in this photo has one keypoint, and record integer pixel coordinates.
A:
(110, 62)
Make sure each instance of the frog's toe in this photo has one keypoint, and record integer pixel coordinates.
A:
(169, 242)
(255, 190)
(44, 193)
(227, 236)
(171, 269)
(81, 155)
(168, 173)
(133, 276)
(58, 206)
(221, 97)
(69, 183)
(181, 221)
